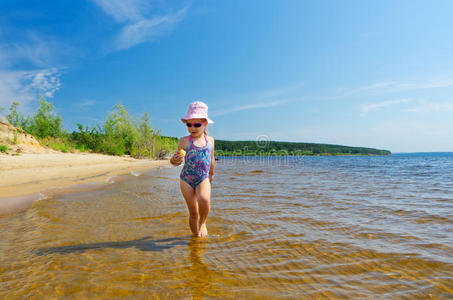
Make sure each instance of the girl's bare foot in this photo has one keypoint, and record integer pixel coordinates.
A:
(203, 232)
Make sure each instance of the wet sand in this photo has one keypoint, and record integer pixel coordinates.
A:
(23, 176)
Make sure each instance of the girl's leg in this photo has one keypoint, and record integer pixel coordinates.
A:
(203, 192)
(191, 200)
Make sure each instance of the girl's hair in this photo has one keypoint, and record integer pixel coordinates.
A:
(206, 129)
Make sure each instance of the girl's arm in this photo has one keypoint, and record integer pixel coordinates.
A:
(211, 170)
(177, 159)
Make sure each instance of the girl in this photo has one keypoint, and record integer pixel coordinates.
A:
(198, 171)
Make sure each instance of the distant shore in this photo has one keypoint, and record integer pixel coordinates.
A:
(30, 173)
(296, 155)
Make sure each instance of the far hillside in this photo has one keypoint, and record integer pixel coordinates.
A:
(252, 148)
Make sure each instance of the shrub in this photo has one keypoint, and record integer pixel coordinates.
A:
(63, 144)
(119, 132)
(87, 139)
(144, 146)
(45, 121)
(16, 118)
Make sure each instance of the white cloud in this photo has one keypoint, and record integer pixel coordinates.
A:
(85, 104)
(442, 83)
(378, 105)
(428, 107)
(370, 87)
(139, 25)
(394, 86)
(247, 107)
(143, 31)
(261, 99)
(419, 106)
(272, 93)
(33, 49)
(45, 82)
(124, 10)
(25, 86)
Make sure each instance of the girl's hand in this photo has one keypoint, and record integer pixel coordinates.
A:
(211, 178)
(176, 159)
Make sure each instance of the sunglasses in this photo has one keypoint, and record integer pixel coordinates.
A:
(194, 124)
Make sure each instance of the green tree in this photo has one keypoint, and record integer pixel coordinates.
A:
(46, 123)
(146, 140)
(87, 139)
(120, 132)
(16, 118)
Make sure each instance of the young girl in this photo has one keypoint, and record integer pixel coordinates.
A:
(198, 171)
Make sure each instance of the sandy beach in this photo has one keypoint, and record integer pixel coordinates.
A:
(30, 173)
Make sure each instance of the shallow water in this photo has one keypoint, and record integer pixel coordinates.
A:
(327, 227)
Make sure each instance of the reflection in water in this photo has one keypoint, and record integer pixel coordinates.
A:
(198, 275)
(315, 227)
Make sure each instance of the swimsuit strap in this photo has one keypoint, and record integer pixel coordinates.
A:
(205, 138)
(191, 138)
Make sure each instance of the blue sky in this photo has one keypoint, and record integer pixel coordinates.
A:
(360, 73)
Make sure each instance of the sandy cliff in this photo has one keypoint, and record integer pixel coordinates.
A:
(19, 141)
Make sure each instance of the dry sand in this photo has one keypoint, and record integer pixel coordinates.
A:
(30, 173)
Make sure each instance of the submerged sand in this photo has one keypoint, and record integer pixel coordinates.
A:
(30, 173)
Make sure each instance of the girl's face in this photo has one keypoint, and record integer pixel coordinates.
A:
(195, 131)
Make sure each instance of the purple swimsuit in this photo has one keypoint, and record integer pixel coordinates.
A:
(197, 163)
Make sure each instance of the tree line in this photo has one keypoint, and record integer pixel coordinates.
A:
(265, 148)
(118, 134)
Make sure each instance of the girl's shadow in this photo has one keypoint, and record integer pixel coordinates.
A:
(144, 244)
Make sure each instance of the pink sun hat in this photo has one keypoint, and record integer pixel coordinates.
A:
(197, 110)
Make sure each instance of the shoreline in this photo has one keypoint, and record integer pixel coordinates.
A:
(23, 177)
